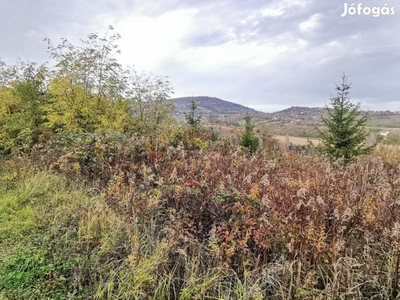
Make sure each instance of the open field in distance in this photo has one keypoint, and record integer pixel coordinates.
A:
(296, 140)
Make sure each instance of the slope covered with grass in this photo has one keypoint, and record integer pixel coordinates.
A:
(117, 219)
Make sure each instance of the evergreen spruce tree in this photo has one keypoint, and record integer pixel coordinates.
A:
(248, 139)
(191, 118)
(346, 132)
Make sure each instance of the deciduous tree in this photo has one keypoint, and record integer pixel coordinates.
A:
(149, 102)
(23, 95)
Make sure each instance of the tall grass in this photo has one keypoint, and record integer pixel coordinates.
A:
(210, 223)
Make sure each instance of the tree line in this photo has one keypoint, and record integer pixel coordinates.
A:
(86, 90)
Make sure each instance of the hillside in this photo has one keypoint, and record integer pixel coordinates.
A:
(211, 106)
(297, 111)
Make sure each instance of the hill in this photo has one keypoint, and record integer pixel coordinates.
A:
(296, 111)
(211, 106)
(214, 107)
(305, 118)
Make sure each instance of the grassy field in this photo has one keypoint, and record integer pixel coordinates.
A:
(390, 121)
(295, 140)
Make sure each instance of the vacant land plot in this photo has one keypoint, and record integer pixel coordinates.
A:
(296, 140)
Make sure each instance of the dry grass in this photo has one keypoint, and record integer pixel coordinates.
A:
(211, 223)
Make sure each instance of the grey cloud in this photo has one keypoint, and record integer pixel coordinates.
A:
(204, 39)
(26, 23)
(367, 48)
(330, 26)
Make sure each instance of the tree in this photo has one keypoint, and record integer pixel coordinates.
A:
(87, 83)
(92, 92)
(248, 140)
(92, 66)
(72, 109)
(86, 91)
(149, 102)
(23, 95)
(346, 132)
(191, 118)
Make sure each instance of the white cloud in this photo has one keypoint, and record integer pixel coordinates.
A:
(229, 55)
(148, 41)
(310, 24)
(280, 8)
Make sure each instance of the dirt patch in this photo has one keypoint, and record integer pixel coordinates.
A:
(295, 140)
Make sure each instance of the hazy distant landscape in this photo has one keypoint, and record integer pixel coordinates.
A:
(297, 122)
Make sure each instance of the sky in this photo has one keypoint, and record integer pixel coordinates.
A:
(267, 55)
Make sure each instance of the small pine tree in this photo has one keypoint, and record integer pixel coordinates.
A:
(346, 134)
(191, 118)
(248, 140)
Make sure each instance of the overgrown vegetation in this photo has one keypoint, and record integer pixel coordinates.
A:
(125, 204)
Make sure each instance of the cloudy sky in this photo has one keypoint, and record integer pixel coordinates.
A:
(264, 54)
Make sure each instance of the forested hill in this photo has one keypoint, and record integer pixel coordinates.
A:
(212, 105)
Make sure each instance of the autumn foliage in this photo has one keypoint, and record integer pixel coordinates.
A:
(294, 225)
